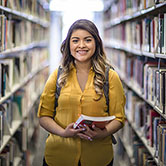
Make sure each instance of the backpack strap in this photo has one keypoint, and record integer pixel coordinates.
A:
(106, 87)
(106, 93)
(58, 89)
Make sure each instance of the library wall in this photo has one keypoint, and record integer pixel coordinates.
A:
(24, 27)
(135, 43)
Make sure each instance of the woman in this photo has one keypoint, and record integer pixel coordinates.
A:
(82, 80)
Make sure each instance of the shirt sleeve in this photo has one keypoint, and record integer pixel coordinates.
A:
(117, 99)
(47, 98)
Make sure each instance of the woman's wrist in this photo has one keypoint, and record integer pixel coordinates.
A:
(107, 132)
(61, 132)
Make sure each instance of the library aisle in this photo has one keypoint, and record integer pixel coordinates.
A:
(134, 36)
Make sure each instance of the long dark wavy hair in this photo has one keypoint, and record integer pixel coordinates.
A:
(98, 60)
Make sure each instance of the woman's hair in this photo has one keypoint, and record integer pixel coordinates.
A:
(98, 60)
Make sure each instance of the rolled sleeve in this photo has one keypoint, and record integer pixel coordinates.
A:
(117, 97)
(47, 99)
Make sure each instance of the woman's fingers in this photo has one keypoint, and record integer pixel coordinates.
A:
(84, 136)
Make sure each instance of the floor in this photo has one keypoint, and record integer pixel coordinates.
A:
(38, 158)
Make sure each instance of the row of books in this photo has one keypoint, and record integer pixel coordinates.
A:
(136, 111)
(144, 35)
(15, 69)
(33, 7)
(28, 94)
(15, 152)
(145, 75)
(149, 124)
(141, 155)
(32, 124)
(142, 115)
(14, 33)
(154, 84)
(121, 8)
(134, 147)
(32, 90)
(9, 153)
(20, 105)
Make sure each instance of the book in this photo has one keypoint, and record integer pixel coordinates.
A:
(153, 115)
(99, 122)
(155, 134)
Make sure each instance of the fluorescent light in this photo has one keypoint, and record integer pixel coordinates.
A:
(76, 5)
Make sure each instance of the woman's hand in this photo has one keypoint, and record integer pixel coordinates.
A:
(69, 131)
(52, 127)
(94, 133)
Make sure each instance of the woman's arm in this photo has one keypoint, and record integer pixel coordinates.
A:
(113, 127)
(52, 127)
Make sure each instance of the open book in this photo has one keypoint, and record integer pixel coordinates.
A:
(99, 122)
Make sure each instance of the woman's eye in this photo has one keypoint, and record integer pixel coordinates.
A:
(88, 40)
(75, 41)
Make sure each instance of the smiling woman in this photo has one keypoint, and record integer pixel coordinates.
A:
(82, 81)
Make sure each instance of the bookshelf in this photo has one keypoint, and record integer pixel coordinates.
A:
(135, 43)
(24, 68)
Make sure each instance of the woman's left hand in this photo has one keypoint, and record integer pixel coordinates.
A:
(94, 133)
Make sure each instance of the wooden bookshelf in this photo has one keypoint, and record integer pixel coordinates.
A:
(135, 43)
(24, 69)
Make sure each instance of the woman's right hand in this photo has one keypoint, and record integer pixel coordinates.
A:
(69, 131)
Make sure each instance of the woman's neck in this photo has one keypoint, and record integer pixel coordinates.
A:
(83, 67)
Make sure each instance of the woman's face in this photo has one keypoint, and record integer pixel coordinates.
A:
(82, 45)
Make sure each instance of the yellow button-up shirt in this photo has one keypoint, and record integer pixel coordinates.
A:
(72, 102)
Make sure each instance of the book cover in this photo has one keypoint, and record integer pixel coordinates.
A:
(1, 82)
(153, 115)
(164, 33)
(162, 128)
(155, 136)
(2, 119)
(161, 34)
(164, 155)
(99, 122)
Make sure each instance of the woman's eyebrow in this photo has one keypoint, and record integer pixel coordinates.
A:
(88, 37)
(74, 37)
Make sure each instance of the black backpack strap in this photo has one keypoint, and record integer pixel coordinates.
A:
(106, 87)
(106, 93)
(58, 89)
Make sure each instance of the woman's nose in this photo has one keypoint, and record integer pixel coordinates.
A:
(82, 44)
